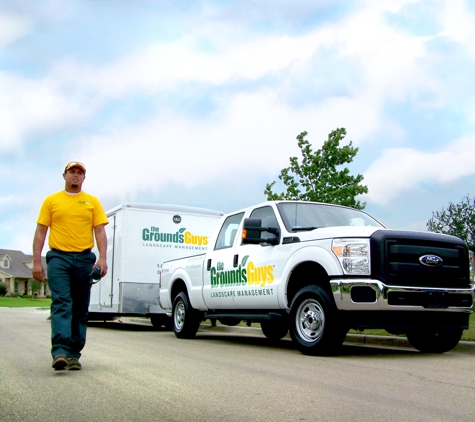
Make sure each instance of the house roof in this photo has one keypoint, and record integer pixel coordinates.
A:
(18, 263)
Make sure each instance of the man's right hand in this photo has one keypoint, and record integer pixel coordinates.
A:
(38, 242)
(39, 272)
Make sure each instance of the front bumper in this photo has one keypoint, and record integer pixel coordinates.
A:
(373, 295)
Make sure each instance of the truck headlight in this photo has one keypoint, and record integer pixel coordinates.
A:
(353, 255)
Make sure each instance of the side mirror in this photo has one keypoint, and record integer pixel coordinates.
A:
(252, 229)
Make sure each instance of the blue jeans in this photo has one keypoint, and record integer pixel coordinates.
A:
(69, 282)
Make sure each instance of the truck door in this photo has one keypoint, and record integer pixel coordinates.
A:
(262, 267)
(221, 278)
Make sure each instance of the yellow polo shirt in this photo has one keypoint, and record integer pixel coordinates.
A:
(71, 219)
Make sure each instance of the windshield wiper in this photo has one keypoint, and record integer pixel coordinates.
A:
(304, 229)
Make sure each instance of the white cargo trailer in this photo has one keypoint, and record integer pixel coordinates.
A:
(140, 237)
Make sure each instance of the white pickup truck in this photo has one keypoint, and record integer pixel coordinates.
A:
(319, 270)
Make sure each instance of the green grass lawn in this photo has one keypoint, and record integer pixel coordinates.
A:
(19, 302)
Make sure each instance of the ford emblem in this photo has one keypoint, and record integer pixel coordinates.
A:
(431, 260)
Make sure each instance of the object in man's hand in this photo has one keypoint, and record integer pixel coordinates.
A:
(95, 273)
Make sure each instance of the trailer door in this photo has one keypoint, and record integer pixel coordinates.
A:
(102, 291)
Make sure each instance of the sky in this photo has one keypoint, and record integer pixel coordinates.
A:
(199, 103)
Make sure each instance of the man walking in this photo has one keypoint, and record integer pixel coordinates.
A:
(72, 217)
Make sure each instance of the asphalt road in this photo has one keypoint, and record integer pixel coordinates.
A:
(133, 373)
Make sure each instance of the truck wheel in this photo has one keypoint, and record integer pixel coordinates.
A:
(314, 325)
(168, 323)
(186, 320)
(434, 341)
(274, 330)
(161, 320)
(157, 320)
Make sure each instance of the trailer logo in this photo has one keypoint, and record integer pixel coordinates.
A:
(180, 237)
(246, 274)
(177, 219)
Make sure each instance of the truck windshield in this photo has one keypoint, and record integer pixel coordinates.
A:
(299, 216)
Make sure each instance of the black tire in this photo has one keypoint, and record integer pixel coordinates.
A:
(314, 323)
(275, 330)
(161, 320)
(168, 323)
(186, 320)
(434, 341)
(158, 320)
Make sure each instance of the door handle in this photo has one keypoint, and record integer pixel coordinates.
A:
(235, 260)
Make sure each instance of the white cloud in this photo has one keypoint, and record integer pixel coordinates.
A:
(12, 200)
(458, 22)
(253, 134)
(269, 86)
(30, 107)
(12, 28)
(379, 56)
(154, 148)
(401, 170)
(392, 64)
(382, 65)
(162, 66)
(73, 92)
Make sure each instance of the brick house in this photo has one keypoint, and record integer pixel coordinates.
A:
(15, 273)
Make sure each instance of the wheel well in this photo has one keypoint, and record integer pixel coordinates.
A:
(305, 274)
(178, 286)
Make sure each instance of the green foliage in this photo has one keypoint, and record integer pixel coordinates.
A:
(3, 289)
(457, 220)
(35, 286)
(319, 177)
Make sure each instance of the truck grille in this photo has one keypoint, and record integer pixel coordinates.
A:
(396, 259)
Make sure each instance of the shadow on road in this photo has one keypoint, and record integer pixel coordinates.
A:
(237, 339)
(346, 350)
(122, 326)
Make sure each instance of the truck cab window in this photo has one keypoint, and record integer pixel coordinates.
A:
(266, 214)
(228, 231)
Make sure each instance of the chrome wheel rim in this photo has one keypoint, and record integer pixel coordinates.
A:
(310, 320)
(179, 316)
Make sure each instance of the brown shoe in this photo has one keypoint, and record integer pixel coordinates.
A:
(59, 362)
(73, 364)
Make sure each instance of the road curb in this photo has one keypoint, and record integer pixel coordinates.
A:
(356, 339)
(462, 347)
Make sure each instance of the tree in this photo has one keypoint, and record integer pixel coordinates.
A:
(317, 177)
(35, 286)
(457, 220)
